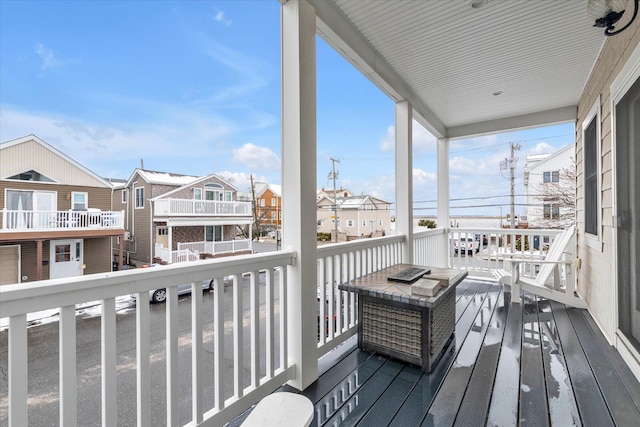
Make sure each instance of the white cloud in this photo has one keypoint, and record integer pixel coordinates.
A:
(422, 139)
(49, 60)
(241, 179)
(422, 177)
(222, 19)
(256, 157)
(542, 148)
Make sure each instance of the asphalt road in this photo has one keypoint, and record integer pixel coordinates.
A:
(43, 362)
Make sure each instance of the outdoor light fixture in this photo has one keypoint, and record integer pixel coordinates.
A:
(608, 12)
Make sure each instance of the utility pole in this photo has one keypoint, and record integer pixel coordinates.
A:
(334, 175)
(512, 164)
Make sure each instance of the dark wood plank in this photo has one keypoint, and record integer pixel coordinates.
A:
(503, 410)
(627, 377)
(470, 295)
(475, 404)
(623, 409)
(563, 410)
(334, 376)
(415, 406)
(445, 405)
(591, 405)
(533, 393)
(330, 403)
(361, 401)
(384, 409)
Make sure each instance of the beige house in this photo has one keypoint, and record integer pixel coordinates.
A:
(171, 217)
(56, 218)
(357, 216)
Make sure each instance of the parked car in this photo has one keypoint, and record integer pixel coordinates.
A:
(466, 244)
(482, 238)
(160, 295)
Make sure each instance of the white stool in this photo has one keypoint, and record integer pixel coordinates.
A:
(282, 410)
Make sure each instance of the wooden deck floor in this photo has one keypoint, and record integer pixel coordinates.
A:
(533, 364)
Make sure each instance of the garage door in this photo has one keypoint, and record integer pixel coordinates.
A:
(9, 264)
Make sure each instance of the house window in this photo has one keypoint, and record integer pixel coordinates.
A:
(261, 202)
(551, 211)
(217, 194)
(380, 223)
(273, 215)
(139, 197)
(591, 151)
(124, 195)
(364, 222)
(197, 193)
(273, 201)
(319, 222)
(349, 223)
(79, 201)
(551, 176)
(227, 196)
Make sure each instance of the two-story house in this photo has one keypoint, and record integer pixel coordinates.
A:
(268, 206)
(56, 219)
(171, 217)
(356, 216)
(549, 189)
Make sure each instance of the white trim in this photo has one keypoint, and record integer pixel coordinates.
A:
(86, 199)
(629, 74)
(124, 196)
(593, 241)
(135, 199)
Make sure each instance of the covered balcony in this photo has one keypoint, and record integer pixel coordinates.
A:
(263, 329)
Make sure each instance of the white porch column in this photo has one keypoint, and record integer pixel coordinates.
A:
(170, 242)
(443, 191)
(298, 40)
(404, 177)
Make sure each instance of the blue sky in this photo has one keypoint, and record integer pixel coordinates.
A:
(193, 87)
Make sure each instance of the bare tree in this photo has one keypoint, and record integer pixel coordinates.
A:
(561, 198)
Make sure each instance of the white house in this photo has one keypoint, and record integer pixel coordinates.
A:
(545, 176)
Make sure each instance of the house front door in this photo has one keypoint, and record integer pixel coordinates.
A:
(66, 258)
(628, 213)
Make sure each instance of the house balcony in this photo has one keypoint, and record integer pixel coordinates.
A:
(200, 208)
(193, 251)
(241, 342)
(25, 224)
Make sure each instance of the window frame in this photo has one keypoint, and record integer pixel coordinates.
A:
(593, 240)
(139, 198)
(85, 203)
(124, 196)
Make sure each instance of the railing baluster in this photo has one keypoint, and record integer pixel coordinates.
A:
(142, 358)
(218, 342)
(18, 370)
(284, 330)
(109, 360)
(197, 369)
(67, 360)
(269, 326)
(238, 344)
(255, 329)
(172, 355)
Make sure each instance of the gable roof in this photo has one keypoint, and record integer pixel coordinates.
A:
(549, 157)
(263, 186)
(43, 166)
(161, 178)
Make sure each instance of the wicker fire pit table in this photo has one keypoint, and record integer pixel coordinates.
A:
(398, 322)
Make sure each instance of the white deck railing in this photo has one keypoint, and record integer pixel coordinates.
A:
(190, 207)
(264, 368)
(262, 322)
(339, 263)
(215, 248)
(21, 220)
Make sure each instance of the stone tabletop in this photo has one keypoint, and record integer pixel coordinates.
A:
(376, 285)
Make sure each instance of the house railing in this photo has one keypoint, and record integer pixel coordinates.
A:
(260, 319)
(258, 370)
(216, 248)
(191, 207)
(430, 248)
(22, 220)
(339, 263)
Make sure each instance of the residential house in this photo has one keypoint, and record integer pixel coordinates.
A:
(172, 217)
(268, 206)
(549, 189)
(357, 216)
(57, 220)
(518, 64)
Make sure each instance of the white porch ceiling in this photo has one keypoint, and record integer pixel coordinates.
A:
(449, 59)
